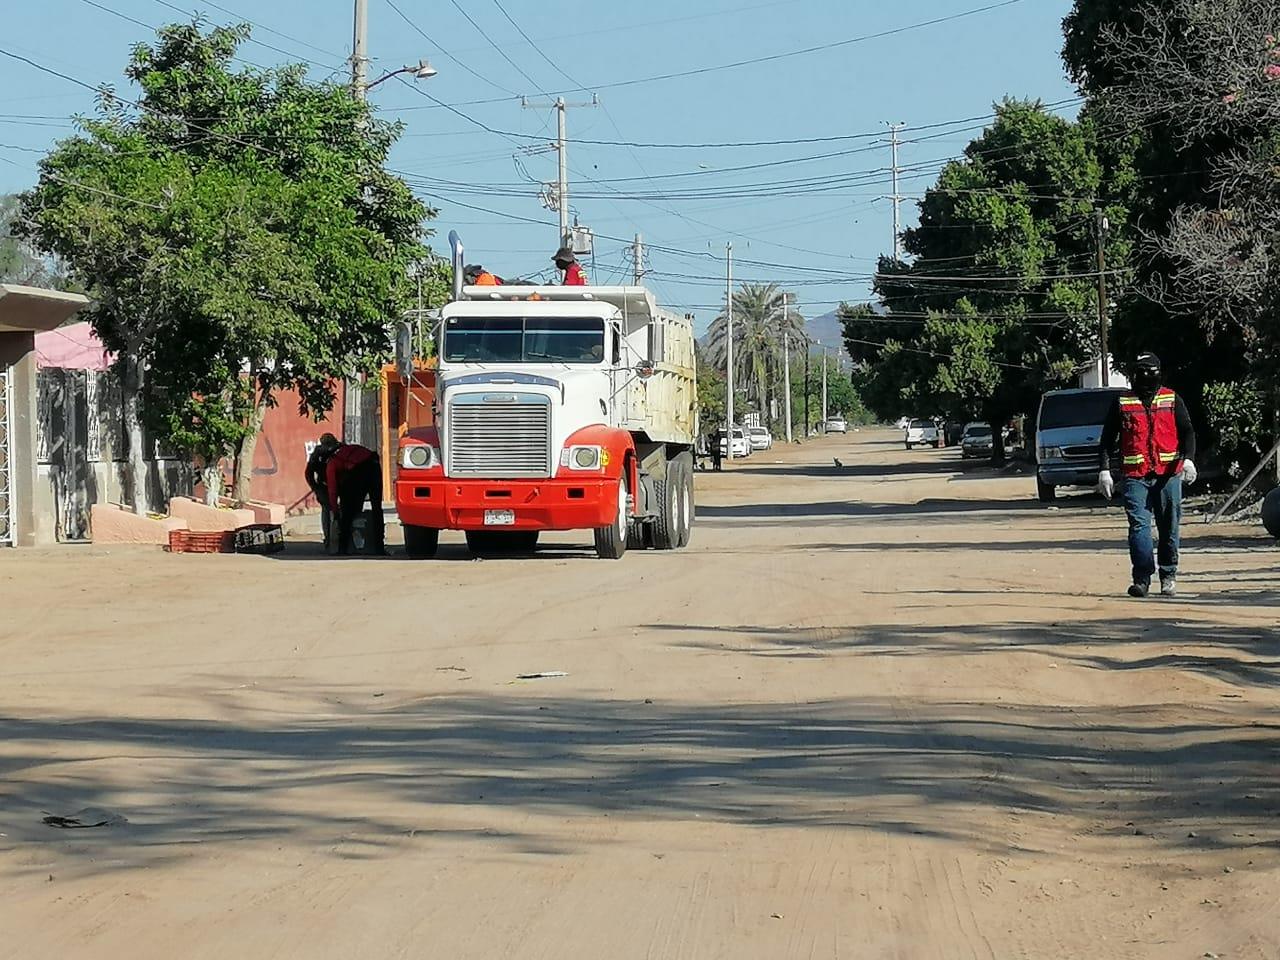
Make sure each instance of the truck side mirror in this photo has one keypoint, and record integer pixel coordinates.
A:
(404, 351)
(645, 369)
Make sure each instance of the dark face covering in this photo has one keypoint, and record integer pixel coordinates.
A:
(1146, 380)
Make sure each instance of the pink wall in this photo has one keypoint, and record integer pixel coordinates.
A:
(280, 461)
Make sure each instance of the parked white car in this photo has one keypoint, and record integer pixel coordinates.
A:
(741, 445)
(835, 425)
(761, 439)
(921, 431)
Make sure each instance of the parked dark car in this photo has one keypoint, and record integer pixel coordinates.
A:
(978, 441)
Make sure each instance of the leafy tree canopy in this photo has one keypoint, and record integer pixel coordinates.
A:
(230, 220)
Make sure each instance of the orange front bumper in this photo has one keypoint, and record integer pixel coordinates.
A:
(573, 503)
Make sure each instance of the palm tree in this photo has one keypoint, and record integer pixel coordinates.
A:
(761, 314)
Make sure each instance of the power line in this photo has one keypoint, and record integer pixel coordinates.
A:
(771, 58)
(502, 53)
(479, 76)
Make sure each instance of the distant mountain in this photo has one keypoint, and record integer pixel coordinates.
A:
(828, 329)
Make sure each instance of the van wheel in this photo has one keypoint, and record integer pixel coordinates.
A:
(611, 541)
(421, 543)
(909, 446)
(1047, 492)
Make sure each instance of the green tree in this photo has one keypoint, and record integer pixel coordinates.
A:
(1199, 84)
(999, 300)
(241, 235)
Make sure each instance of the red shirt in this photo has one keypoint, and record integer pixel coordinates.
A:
(575, 276)
(346, 457)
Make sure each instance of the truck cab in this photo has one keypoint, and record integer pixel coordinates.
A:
(557, 408)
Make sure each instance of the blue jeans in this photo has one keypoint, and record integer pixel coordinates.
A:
(1161, 498)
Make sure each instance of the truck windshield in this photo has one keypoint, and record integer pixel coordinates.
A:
(524, 340)
(1088, 408)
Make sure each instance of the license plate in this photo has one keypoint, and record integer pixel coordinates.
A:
(499, 518)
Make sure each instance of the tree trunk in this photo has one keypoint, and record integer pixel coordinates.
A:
(130, 392)
(241, 492)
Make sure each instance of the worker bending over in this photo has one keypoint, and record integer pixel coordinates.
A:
(567, 262)
(354, 475)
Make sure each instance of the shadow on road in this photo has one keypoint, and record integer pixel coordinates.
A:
(942, 770)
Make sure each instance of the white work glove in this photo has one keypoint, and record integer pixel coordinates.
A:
(1106, 485)
(1189, 473)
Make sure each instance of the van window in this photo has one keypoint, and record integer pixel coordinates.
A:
(922, 425)
(1087, 408)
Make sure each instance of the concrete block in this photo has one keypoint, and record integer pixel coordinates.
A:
(198, 516)
(263, 512)
(113, 524)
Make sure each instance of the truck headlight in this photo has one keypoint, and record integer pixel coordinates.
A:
(585, 458)
(419, 456)
(1050, 453)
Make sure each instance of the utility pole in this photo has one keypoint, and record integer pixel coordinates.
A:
(807, 421)
(637, 256)
(1104, 349)
(562, 156)
(353, 426)
(786, 362)
(562, 153)
(824, 381)
(897, 197)
(360, 51)
(728, 297)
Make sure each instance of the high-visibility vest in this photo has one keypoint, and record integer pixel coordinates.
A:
(1149, 435)
(486, 279)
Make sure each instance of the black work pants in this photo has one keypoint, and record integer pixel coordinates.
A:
(362, 482)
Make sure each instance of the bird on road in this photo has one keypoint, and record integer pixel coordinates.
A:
(839, 465)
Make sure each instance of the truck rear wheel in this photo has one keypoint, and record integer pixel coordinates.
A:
(501, 543)
(611, 541)
(666, 528)
(421, 543)
(684, 491)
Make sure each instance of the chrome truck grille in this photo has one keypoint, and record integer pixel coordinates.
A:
(495, 435)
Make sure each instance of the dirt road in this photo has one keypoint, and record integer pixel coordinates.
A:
(891, 710)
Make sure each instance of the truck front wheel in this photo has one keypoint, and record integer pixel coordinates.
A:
(421, 543)
(1047, 492)
(611, 541)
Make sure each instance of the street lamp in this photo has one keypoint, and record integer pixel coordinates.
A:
(422, 71)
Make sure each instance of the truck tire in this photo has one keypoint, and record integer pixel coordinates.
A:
(421, 543)
(688, 511)
(1271, 513)
(1047, 492)
(909, 445)
(666, 528)
(501, 543)
(611, 541)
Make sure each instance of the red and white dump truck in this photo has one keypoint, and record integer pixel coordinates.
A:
(557, 408)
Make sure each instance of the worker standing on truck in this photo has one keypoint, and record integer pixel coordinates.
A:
(317, 480)
(1157, 445)
(354, 475)
(567, 262)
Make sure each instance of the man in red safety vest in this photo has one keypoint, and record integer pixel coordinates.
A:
(1157, 444)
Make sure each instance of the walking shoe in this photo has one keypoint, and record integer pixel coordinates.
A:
(1168, 586)
(1140, 589)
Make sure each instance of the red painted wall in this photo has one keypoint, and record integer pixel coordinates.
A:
(286, 441)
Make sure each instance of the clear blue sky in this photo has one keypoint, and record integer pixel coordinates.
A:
(930, 75)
